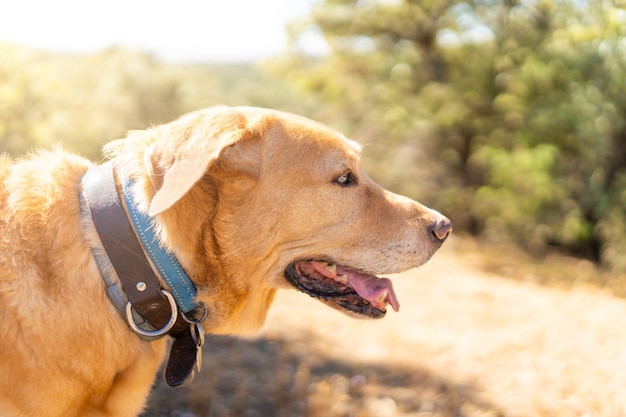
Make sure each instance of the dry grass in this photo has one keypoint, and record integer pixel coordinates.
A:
(552, 269)
(465, 343)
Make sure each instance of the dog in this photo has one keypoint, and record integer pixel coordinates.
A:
(245, 201)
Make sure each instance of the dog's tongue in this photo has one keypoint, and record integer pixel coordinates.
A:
(378, 291)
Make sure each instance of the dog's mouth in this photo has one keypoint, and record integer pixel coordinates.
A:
(343, 288)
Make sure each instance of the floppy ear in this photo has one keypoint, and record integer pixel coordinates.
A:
(185, 149)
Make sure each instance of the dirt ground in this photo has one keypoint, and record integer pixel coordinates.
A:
(466, 343)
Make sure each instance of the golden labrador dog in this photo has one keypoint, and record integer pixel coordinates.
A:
(245, 200)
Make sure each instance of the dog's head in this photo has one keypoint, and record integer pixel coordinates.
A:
(253, 200)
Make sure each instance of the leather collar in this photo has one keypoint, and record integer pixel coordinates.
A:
(144, 281)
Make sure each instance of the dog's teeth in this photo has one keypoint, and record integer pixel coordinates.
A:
(332, 268)
(342, 278)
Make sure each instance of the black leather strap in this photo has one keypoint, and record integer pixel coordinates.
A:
(185, 351)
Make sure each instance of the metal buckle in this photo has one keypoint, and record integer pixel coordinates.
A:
(154, 333)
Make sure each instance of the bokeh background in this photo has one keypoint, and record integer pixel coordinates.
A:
(508, 116)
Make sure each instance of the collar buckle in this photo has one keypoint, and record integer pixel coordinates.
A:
(153, 333)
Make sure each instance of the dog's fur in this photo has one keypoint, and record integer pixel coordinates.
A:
(238, 194)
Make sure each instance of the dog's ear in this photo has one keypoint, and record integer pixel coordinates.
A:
(186, 149)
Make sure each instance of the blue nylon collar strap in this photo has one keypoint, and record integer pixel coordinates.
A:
(163, 260)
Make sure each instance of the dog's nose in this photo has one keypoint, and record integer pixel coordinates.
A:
(441, 228)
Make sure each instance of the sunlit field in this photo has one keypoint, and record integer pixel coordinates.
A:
(509, 117)
(465, 343)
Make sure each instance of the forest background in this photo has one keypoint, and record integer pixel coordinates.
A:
(508, 116)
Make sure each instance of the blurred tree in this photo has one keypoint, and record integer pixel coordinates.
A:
(81, 102)
(22, 102)
(508, 115)
(86, 101)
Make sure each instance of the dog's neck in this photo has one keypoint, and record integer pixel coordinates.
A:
(144, 281)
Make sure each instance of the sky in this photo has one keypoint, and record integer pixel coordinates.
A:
(173, 30)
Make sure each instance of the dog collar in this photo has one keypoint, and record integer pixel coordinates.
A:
(144, 281)
(163, 260)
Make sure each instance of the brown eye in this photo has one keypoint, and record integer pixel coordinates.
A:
(346, 179)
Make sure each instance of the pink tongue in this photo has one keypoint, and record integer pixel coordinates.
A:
(378, 291)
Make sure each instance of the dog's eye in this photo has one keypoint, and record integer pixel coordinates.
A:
(345, 179)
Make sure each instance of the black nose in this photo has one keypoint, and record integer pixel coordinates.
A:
(441, 229)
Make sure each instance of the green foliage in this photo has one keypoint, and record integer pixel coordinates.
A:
(83, 102)
(519, 188)
(509, 116)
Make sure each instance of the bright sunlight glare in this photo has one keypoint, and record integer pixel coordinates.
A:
(185, 30)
